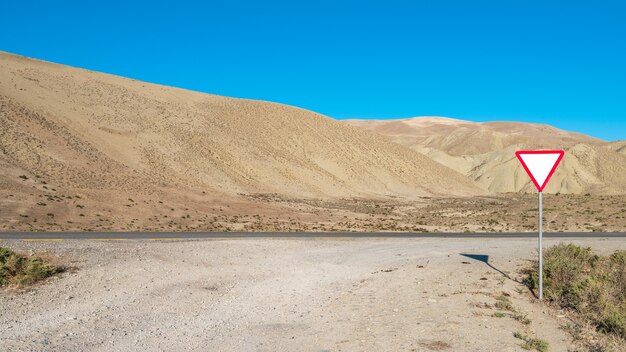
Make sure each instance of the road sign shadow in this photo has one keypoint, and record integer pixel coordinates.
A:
(485, 259)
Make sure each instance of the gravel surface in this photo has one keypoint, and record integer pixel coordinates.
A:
(286, 295)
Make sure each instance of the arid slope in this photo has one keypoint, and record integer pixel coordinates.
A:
(91, 130)
(485, 152)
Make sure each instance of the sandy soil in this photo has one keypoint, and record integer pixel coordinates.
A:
(285, 295)
(177, 210)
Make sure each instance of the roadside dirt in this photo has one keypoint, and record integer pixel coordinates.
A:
(177, 210)
(281, 295)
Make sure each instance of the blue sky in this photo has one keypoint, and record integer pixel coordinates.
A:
(556, 62)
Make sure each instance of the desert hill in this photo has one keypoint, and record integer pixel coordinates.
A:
(485, 152)
(85, 151)
(88, 130)
(619, 146)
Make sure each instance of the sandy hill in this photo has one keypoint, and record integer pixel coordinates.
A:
(485, 152)
(79, 129)
(619, 146)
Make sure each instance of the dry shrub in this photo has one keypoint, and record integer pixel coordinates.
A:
(592, 286)
(20, 270)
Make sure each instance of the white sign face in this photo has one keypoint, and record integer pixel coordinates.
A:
(540, 165)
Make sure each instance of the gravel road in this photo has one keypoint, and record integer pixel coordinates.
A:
(280, 295)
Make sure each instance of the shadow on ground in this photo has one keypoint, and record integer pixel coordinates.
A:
(485, 259)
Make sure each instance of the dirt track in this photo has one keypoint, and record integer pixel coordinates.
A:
(291, 295)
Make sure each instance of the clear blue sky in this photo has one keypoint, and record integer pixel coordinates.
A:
(556, 62)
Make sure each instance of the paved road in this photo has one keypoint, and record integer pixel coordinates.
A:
(222, 235)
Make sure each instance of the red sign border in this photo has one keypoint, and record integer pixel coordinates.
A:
(558, 161)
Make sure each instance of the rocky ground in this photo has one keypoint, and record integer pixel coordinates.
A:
(49, 209)
(287, 295)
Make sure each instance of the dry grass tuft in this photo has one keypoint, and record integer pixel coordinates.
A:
(532, 343)
(20, 270)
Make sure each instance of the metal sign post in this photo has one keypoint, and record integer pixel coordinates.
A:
(540, 165)
(540, 246)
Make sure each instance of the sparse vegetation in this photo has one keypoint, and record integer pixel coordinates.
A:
(504, 303)
(522, 318)
(590, 286)
(346, 214)
(532, 343)
(17, 269)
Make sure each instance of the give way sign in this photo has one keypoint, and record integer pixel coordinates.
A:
(540, 165)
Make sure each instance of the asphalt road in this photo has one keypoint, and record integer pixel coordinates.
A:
(226, 235)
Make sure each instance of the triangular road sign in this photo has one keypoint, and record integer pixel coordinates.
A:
(540, 165)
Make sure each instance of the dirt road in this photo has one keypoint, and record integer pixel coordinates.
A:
(281, 295)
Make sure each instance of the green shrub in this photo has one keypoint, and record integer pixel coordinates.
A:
(592, 286)
(16, 269)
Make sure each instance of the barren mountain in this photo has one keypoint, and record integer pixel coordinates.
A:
(486, 152)
(110, 137)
